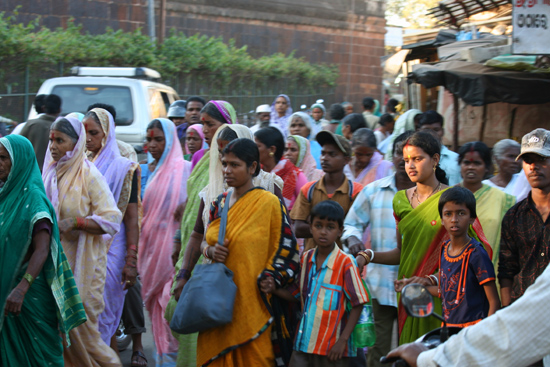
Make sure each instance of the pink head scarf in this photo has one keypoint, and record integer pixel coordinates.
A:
(198, 129)
(166, 189)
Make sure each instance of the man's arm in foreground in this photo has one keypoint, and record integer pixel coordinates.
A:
(514, 336)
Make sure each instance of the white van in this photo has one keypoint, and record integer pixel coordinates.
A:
(136, 97)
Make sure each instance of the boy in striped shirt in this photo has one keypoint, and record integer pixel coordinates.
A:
(328, 279)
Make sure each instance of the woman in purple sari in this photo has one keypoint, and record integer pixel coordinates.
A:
(123, 177)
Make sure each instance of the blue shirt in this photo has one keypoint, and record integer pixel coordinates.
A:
(373, 209)
(461, 280)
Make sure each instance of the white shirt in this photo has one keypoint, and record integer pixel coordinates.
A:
(513, 337)
(257, 127)
(449, 164)
(518, 186)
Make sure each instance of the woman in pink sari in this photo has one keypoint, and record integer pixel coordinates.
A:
(166, 189)
(367, 164)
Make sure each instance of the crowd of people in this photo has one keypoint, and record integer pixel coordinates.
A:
(324, 204)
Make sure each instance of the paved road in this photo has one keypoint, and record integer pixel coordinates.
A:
(148, 346)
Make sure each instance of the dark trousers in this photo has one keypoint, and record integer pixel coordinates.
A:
(301, 359)
(132, 313)
(384, 318)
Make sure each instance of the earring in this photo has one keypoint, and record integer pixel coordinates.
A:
(435, 167)
(271, 154)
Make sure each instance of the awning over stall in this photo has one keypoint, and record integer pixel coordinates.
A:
(478, 85)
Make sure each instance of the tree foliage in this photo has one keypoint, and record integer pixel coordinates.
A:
(411, 13)
(29, 45)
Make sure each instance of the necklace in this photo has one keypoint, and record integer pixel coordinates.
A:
(415, 193)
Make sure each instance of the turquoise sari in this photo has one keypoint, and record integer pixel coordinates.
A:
(52, 305)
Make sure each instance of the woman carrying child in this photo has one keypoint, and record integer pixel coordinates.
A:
(420, 232)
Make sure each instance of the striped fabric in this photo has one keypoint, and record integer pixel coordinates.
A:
(373, 209)
(324, 294)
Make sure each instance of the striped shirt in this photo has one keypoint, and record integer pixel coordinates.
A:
(373, 209)
(324, 295)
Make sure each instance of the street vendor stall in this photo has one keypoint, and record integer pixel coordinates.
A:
(486, 103)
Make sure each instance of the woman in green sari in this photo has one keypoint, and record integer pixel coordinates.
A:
(33, 265)
(420, 232)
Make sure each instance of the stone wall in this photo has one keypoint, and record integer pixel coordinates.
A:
(349, 33)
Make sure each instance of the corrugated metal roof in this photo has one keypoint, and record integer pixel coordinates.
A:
(454, 12)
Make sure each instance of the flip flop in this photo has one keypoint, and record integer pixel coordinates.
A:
(135, 362)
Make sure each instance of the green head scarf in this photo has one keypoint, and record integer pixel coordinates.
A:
(302, 146)
(23, 202)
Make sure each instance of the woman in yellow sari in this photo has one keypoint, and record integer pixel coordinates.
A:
(258, 242)
(86, 212)
(419, 229)
(491, 203)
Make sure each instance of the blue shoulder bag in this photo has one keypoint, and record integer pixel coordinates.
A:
(208, 298)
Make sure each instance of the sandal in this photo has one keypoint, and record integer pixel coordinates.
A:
(135, 359)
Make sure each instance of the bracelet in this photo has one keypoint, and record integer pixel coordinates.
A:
(430, 279)
(75, 223)
(434, 278)
(371, 254)
(365, 256)
(81, 223)
(205, 253)
(133, 248)
(184, 274)
(29, 278)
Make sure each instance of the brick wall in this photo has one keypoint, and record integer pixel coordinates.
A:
(349, 33)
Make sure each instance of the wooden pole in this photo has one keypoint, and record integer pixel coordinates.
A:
(162, 25)
(483, 123)
(455, 133)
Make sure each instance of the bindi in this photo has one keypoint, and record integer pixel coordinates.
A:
(52, 136)
(470, 156)
(151, 133)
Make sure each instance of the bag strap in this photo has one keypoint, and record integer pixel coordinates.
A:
(223, 219)
(310, 191)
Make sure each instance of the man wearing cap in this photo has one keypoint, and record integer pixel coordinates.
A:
(335, 154)
(176, 114)
(525, 240)
(263, 116)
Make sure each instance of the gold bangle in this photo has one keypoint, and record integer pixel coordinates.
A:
(29, 278)
(365, 256)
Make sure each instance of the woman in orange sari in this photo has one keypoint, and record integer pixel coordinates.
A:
(258, 242)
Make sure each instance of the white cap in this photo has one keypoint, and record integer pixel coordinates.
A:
(263, 108)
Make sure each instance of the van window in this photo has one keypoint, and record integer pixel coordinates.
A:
(77, 98)
(156, 104)
(166, 100)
